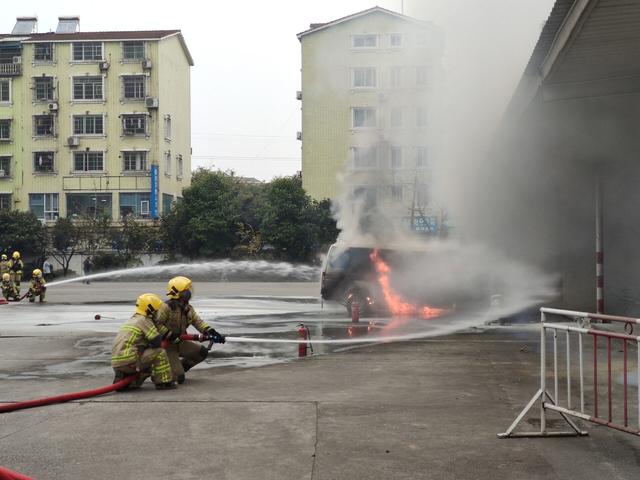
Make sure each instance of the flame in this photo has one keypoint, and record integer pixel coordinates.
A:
(398, 306)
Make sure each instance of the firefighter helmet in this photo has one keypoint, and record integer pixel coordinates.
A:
(178, 288)
(147, 304)
(4, 256)
(16, 255)
(37, 273)
(6, 277)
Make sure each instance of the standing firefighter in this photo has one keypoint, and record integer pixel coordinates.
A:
(15, 269)
(177, 315)
(4, 264)
(37, 286)
(136, 348)
(9, 291)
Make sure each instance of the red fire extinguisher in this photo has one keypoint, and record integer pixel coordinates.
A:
(304, 335)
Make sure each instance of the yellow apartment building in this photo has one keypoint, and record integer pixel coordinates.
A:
(369, 110)
(93, 122)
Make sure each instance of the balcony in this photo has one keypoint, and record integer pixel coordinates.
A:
(10, 69)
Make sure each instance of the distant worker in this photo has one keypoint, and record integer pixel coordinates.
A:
(47, 269)
(136, 348)
(4, 264)
(178, 315)
(15, 269)
(86, 267)
(9, 291)
(37, 287)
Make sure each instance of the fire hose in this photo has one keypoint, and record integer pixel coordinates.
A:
(6, 474)
(67, 397)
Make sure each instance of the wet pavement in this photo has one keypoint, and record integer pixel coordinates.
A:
(428, 408)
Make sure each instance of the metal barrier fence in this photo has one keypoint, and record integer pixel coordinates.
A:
(581, 392)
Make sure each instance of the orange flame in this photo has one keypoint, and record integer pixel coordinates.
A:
(397, 305)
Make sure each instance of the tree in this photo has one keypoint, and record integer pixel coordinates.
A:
(132, 239)
(22, 231)
(66, 240)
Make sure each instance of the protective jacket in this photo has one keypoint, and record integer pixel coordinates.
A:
(9, 291)
(37, 287)
(135, 335)
(177, 317)
(4, 267)
(16, 266)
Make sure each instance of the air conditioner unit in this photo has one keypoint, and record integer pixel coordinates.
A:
(144, 207)
(147, 64)
(73, 141)
(151, 102)
(53, 106)
(2, 173)
(104, 66)
(299, 95)
(17, 59)
(299, 135)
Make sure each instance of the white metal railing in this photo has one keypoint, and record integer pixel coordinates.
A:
(556, 401)
(10, 69)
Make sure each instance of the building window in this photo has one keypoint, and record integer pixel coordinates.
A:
(134, 161)
(396, 192)
(133, 50)
(5, 167)
(421, 76)
(5, 90)
(43, 162)
(421, 157)
(395, 77)
(88, 161)
(179, 166)
(5, 201)
(43, 89)
(87, 51)
(134, 124)
(167, 203)
(395, 40)
(88, 125)
(395, 117)
(364, 41)
(133, 86)
(167, 127)
(88, 204)
(365, 157)
(43, 52)
(87, 88)
(44, 205)
(43, 125)
(135, 204)
(421, 117)
(167, 163)
(364, 117)
(396, 158)
(364, 77)
(5, 130)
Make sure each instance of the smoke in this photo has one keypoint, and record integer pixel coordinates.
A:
(478, 52)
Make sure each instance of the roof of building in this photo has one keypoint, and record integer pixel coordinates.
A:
(101, 36)
(316, 27)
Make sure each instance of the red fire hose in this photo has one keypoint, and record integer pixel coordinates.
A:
(67, 397)
(6, 474)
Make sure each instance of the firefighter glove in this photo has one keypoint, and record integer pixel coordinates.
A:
(215, 336)
(173, 337)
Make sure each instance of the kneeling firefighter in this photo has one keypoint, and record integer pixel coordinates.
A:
(136, 348)
(9, 291)
(37, 286)
(177, 315)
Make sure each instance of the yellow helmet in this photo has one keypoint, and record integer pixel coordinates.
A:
(4, 257)
(147, 304)
(37, 273)
(6, 277)
(178, 286)
(16, 255)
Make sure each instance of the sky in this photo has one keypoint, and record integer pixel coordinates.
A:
(247, 59)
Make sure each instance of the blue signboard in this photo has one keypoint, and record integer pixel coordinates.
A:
(153, 203)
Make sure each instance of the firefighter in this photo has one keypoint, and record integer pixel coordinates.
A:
(136, 348)
(37, 286)
(15, 269)
(9, 291)
(4, 264)
(177, 315)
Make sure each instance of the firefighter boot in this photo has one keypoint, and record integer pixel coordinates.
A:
(166, 386)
